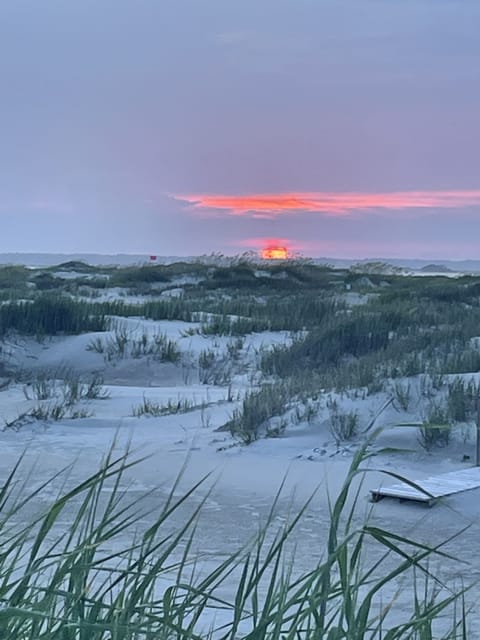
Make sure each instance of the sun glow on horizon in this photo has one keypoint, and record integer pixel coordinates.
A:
(275, 252)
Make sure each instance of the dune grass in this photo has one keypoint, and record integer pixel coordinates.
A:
(49, 314)
(71, 574)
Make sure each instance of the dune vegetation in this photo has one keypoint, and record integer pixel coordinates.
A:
(73, 581)
(83, 568)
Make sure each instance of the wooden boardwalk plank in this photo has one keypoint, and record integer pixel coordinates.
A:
(435, 487)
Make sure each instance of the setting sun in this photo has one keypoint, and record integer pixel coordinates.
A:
(275, 253)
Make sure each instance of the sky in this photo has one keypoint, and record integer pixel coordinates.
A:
(342, 128)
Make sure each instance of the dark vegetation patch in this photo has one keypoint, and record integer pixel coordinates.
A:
(49, 315)
(136, 276)
(76, 266)
(13, 282)
(46, 281)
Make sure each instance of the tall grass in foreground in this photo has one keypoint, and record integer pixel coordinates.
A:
(82, 581)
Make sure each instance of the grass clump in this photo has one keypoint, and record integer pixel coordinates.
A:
(402, 395)
(49, 315)
(343, 425)
(462, 397)
(66, 385)
(215, 368)
(436, 429)
(122, 344)
(47, 412)
(58, 411)
(228, 326)
(150, 408)
(104, 577)
(257, 409)
(135, 277)
(58, 395)
(13, 282)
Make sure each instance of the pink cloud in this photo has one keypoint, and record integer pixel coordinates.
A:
(327, 203)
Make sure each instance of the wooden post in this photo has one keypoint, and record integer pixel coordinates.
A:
(477, 456)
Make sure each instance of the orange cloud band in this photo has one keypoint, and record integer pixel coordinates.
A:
(272, 205)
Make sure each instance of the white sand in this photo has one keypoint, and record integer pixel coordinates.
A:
(246, 478)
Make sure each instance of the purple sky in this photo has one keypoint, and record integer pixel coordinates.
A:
(123, 124)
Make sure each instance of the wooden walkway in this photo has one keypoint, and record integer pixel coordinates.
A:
(434, 487)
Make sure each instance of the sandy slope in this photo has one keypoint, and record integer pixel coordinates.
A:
(246, 478)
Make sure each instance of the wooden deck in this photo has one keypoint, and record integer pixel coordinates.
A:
(434, 488)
